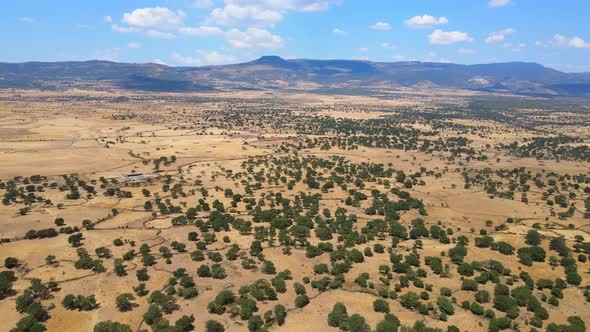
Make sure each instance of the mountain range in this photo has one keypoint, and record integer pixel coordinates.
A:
(273, 72)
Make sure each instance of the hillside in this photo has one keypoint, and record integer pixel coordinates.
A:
(275, 72)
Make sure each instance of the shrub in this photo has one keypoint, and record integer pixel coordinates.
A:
(381, 306)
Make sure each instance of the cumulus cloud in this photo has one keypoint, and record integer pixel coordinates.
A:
(363, 49)
(263, 13)
(499, 36)
(381, 26)
(159, 61)
(253, 38)
(233, 14)
(201, 31)
(134, 45)
(288, 5)
(425, 21)
(339, 32)
(439, 37)
(578, 42)
(498, 3)
(564, 41)
(108, 19)
(156, 22)
(155, 18)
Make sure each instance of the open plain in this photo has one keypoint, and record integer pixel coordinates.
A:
(261, 210)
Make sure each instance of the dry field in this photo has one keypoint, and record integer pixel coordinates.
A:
(63, 156)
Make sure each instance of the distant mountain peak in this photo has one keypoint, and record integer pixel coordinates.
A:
(270, 60)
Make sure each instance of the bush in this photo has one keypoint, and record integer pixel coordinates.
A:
(280, 314)
(152, 314)
(10, 262)
(124, 302)
(109, 326)
(381, 306)
(214, 326)
(254, 323)
(357, 323)
(445, 305)
(482, 296)
(390, 323)
(301, 301)
(338, 316)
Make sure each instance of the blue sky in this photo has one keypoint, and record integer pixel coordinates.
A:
(204, 32)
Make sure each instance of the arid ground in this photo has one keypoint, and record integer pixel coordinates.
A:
(263, 210)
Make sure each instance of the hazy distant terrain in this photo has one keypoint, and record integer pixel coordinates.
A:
(271, 72)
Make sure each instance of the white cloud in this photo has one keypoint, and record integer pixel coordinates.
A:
(498, 3)
(202, 3)
(253, 38)
(233, 14)
(108, 19)
(154, 22)
(578, 42)
(159, 62)
(187, 60)
(154, 18)
(381, 26)
(563, 41)
(263, 13)
(108, 54)
(160, 34)
(398, 57)
(201, 31)
(288, 5)
(134, 45)
(439, 37)
(216, 58)
(425, 21)
(499, 36)
(363, 50)
(205, 58)
(339, 32)
(361, 58)
(26, 19)
(465, 51)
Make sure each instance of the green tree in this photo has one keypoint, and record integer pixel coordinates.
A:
(124, 302)
(109, 326)
(357, 323)
(338, 315)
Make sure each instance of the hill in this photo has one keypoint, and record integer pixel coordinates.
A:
(276, 72)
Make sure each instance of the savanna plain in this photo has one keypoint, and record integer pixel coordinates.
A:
(292, 211)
